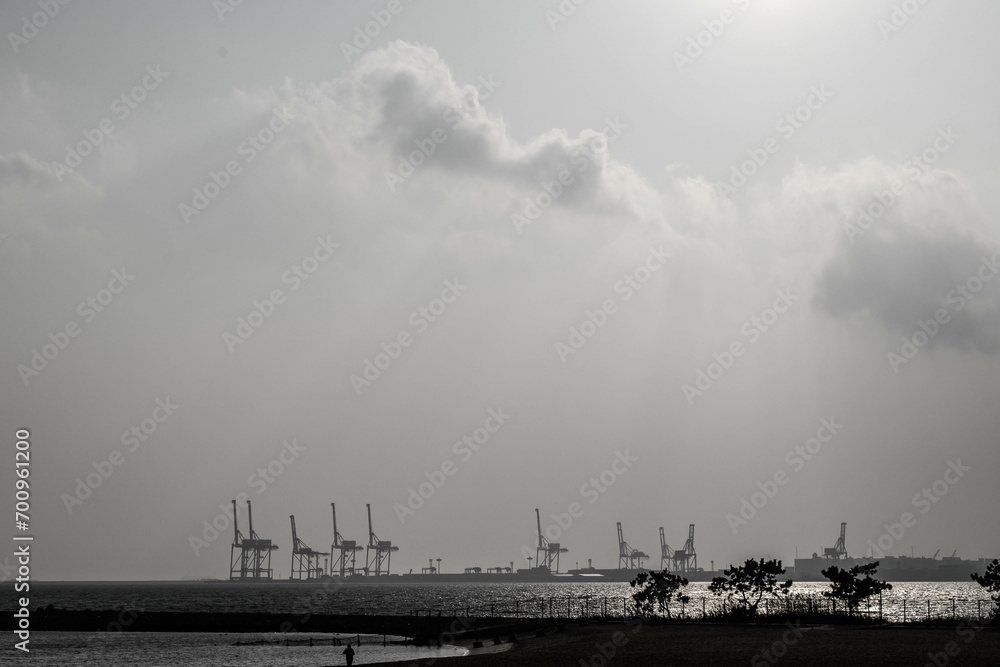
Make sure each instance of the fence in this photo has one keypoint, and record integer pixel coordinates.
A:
(886, 608)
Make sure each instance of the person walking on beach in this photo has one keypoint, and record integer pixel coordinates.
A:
(349, 652)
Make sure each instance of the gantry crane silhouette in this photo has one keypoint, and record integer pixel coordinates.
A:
(379, 552)
(345, 550)
(628, 558)
(254, 558)
(305, 560)
(546, 553)
(839, 550)
(680, 560)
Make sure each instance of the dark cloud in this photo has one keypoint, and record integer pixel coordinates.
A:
(900, 278)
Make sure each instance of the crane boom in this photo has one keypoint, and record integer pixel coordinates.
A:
(538, 519)
(236, 527)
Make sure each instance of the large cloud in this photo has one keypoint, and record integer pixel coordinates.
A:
(924, 254)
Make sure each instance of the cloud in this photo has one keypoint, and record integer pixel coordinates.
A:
(913, 260)
(409, 92)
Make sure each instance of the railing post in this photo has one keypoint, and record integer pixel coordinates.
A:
(928, 610)
(953, 612)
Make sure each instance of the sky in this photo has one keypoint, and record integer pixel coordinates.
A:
(729, 263)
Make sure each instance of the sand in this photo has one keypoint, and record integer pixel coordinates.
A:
(626, 645)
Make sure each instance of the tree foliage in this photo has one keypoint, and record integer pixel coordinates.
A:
(851, 588)
(991, 580)
(656, 591)
(747, 585)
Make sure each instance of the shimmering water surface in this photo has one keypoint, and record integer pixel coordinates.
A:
(476, 598)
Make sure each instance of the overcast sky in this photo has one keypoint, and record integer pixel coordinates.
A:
(628, 232)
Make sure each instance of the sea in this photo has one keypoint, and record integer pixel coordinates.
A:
(907, 601)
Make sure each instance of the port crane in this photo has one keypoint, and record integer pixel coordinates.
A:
(679, 560)
(345, 550)
(839, 550)
(305, 559)
(254, 558)
(378, 552)
(547, 553)
(628, 558)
